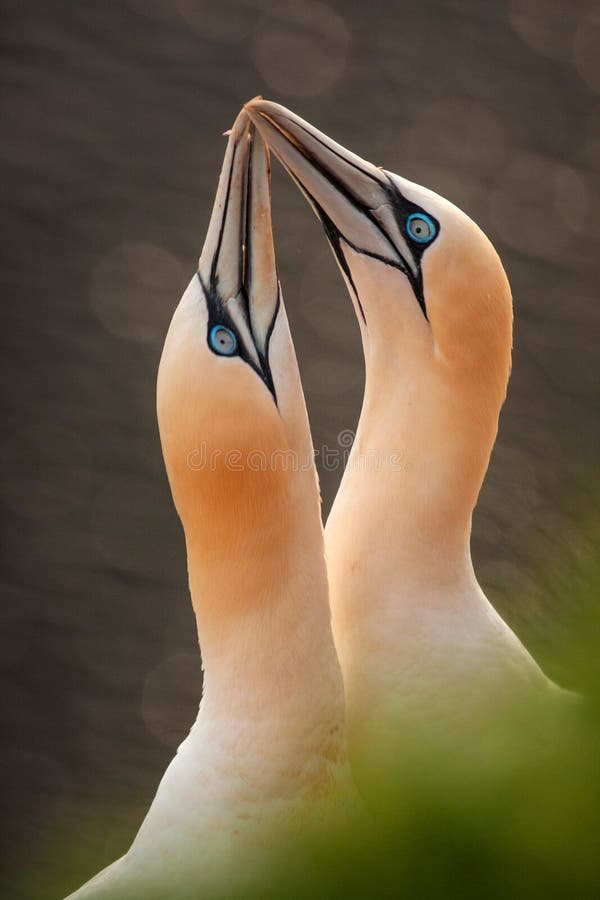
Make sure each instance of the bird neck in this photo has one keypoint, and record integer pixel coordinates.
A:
(420, 455)
(262, 613)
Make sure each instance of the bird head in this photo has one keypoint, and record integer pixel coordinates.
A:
(427, 285)
(230, 406)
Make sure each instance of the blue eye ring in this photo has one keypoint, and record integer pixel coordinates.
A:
(223, 340)
(424, 236)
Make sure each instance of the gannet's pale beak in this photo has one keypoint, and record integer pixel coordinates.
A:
(237, 266)
(358, 204)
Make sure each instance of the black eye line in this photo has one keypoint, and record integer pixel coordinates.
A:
(246, 282)
(334, 234)
(217, 306)
(215, 260)
(403, 209)
(348, 162)
(218, 315)
(342, 188)
(351, 197)
(264, 371)
(264, 357)
(397, 202)
(245, 263)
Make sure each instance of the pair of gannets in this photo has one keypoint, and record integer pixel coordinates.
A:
(412, 628)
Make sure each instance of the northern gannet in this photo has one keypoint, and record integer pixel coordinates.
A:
(268, 741)
(413, 629)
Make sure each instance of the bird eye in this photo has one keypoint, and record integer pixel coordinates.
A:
(421, 228)
(222, 340)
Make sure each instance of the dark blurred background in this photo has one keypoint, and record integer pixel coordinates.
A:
(112, 115)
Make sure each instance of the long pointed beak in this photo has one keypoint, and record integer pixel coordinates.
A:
(222, 259)
(358, 204)
(237, 264)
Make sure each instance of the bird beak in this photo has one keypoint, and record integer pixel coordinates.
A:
(237, 266)
(358, 204)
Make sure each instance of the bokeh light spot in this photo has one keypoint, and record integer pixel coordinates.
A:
(537, 205)
(300, 49)
(134, 290)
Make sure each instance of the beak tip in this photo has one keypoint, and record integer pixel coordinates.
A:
(255, 108)
(238, 128)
